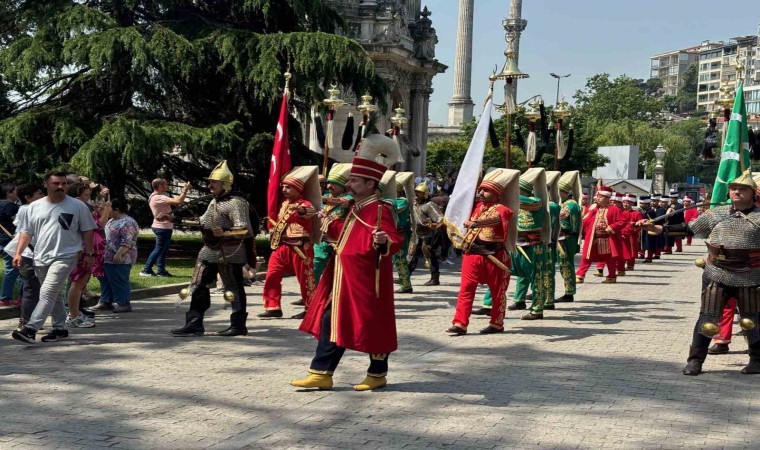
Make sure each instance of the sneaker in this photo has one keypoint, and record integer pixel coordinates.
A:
(122, 308)
(79, 322)
(89, 319)
(55, 335)
(87, 313)
(163, 273)
(147, 274)
(25, 335)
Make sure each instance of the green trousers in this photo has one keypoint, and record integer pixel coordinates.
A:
(521, 269)
(402, 264)
(322, 252)
(567, 264)
(549, 278)
(541, 262)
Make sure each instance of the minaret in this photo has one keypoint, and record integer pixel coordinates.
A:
(460, 105)
(514, 25)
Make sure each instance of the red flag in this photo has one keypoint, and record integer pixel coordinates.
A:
(280, 164)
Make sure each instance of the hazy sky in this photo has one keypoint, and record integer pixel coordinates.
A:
(580, 37)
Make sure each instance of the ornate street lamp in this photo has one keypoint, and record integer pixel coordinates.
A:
(333, 102)
(509, 73)
(561, 112)
(659, 169)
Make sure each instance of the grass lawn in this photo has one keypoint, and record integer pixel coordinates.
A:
(179, 266)
(182, 269)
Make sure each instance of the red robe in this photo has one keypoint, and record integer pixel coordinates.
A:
(290, 227)
(615, 221)
(631, 234)
(361, 320)
(690, 214)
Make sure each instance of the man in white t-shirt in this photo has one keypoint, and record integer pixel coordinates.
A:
(56, 225)
(161, 207)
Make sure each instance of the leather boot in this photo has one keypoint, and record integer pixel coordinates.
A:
(718, 349)
(754, 360)
(314, 380)
(694, 363)
(565, 299)
(371, 383)
(237, 325)
(433, 281)
(193, 325)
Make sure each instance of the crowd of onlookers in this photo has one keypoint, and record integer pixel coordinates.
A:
(55, 237)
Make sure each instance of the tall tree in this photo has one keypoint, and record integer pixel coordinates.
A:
(114, 86)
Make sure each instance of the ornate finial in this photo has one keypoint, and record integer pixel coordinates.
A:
(288, 76)
(426, 12)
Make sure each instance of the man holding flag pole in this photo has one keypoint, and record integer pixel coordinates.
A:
(294, 226)
(485, 231)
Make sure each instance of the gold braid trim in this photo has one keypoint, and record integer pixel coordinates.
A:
(282, 223)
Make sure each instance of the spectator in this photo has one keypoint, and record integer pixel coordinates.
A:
(419, 179)
(80, 276)
(448, 186)
(161, 207)
(120, 254)
(8, 211)
(432, 183)
(30, 292)
(56, 225)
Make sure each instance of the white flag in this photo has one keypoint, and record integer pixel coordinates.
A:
(462, 199)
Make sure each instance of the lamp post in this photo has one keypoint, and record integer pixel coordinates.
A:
(509, 74)
(332, 102)
(558, 77)
(658, 173)
(398, 121)
(562, 112)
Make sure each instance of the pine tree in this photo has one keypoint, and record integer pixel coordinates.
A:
(113, 86)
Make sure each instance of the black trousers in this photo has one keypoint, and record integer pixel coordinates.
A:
(328, 354)
(201, 298)
(432, 242)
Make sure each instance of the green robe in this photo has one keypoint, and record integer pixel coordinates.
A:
(551, 264)
(570, 223)
(403, 224)
(529, 262)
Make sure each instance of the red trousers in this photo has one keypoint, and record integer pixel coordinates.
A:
(609, 261)
(478, 269)
(726, 322)
(285, 260)
(688, 240)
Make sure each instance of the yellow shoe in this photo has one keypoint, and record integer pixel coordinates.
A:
(369, 383)
(609, 280)
(579, 280)
(314, 380)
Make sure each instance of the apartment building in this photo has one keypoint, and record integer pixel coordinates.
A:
(717, 66)
(670, 67)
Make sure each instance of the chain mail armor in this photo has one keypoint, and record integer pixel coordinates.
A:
(228, 212)
(427, 214)
(724, 227)
(729, 230)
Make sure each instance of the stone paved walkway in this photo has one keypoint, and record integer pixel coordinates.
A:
(601, 372)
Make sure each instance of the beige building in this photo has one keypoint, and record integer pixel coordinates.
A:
(717, 66)
(670, 67)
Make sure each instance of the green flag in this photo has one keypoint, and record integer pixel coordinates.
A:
(734, 157)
